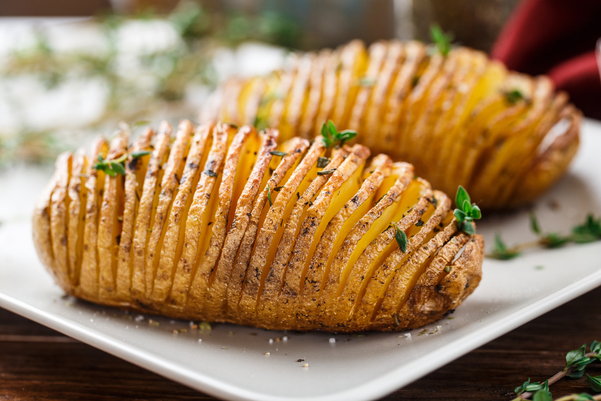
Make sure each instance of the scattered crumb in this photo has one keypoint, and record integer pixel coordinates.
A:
(285, 339)
(451, 317)
(223, 347)
(421, 333)
(554, 205)
(139, 318)
(230, 333)
(267, 353)
(277, 339)
(253, 334)
(194, 326)
(205, 326)
(332, 340)
(300, 360)
(305, 365)
(271, 341)
(153, 322)
(200, 340)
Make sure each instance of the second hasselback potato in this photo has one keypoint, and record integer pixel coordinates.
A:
(223, 224)
(459, 118)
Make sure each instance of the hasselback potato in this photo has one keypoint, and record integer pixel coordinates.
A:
(459, 118)
(231, 225)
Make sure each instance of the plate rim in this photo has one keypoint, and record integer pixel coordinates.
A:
(375, 388)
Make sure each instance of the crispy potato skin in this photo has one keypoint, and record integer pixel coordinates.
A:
(226, 225)
(453, 117)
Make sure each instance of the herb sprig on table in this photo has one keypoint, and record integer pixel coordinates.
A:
(588, 231)
(576, 362)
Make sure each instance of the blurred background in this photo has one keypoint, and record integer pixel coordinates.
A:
(69, 68)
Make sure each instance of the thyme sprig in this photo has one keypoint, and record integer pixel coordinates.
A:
(117, 166)
(442, 40)
(576, 362)
(589, 231)
(466, 212)
(331, 136)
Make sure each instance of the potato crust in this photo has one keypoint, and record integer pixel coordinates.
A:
(460, 118)
(222, 224)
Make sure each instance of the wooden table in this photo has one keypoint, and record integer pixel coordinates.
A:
(37, 363)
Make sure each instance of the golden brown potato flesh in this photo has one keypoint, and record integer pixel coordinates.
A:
(238, 225)
(460, 118)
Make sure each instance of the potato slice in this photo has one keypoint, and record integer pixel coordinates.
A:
(458, 97)
(431, 107)
(109, 227)
(251, 108)
(550, 162)
(380, 94)
(41, 232)
(314, 98)
(335, 233)
(340, 188)
(377, 55)
(383, 285)
(267, 219)
(272, 282)
(351, 289)
(414, 53)
(146, 210)
(328, 95)
(353, 59)
(242, 297)
(172, 246)
(77, 208)
(237, 169)
(414, 104)
(198, 230)
(280, 97)
(297, 95)
(215, 305)
(135, 170)
(432, 301)
(88, 278)
(59, 218)
(173, 170)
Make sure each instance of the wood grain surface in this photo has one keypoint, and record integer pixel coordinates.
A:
(37, 363)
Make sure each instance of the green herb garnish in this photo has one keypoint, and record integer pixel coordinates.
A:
(331, 136)
(576, 362)
(513, 96)
(326, 172)
(210, 173)
(322, 162)
(140, 153)
(443, 41)
(466, 212)
(367, 81)
(400, 237)
(269, 194)
(278, 153)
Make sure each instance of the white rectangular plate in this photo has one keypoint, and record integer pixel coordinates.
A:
(230, 361)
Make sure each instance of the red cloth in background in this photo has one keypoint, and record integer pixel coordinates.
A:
(557, 38)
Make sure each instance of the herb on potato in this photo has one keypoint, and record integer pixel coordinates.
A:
(466, 212)
(117, 166)
(331, 136)
(514, 96)
(442, 40)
